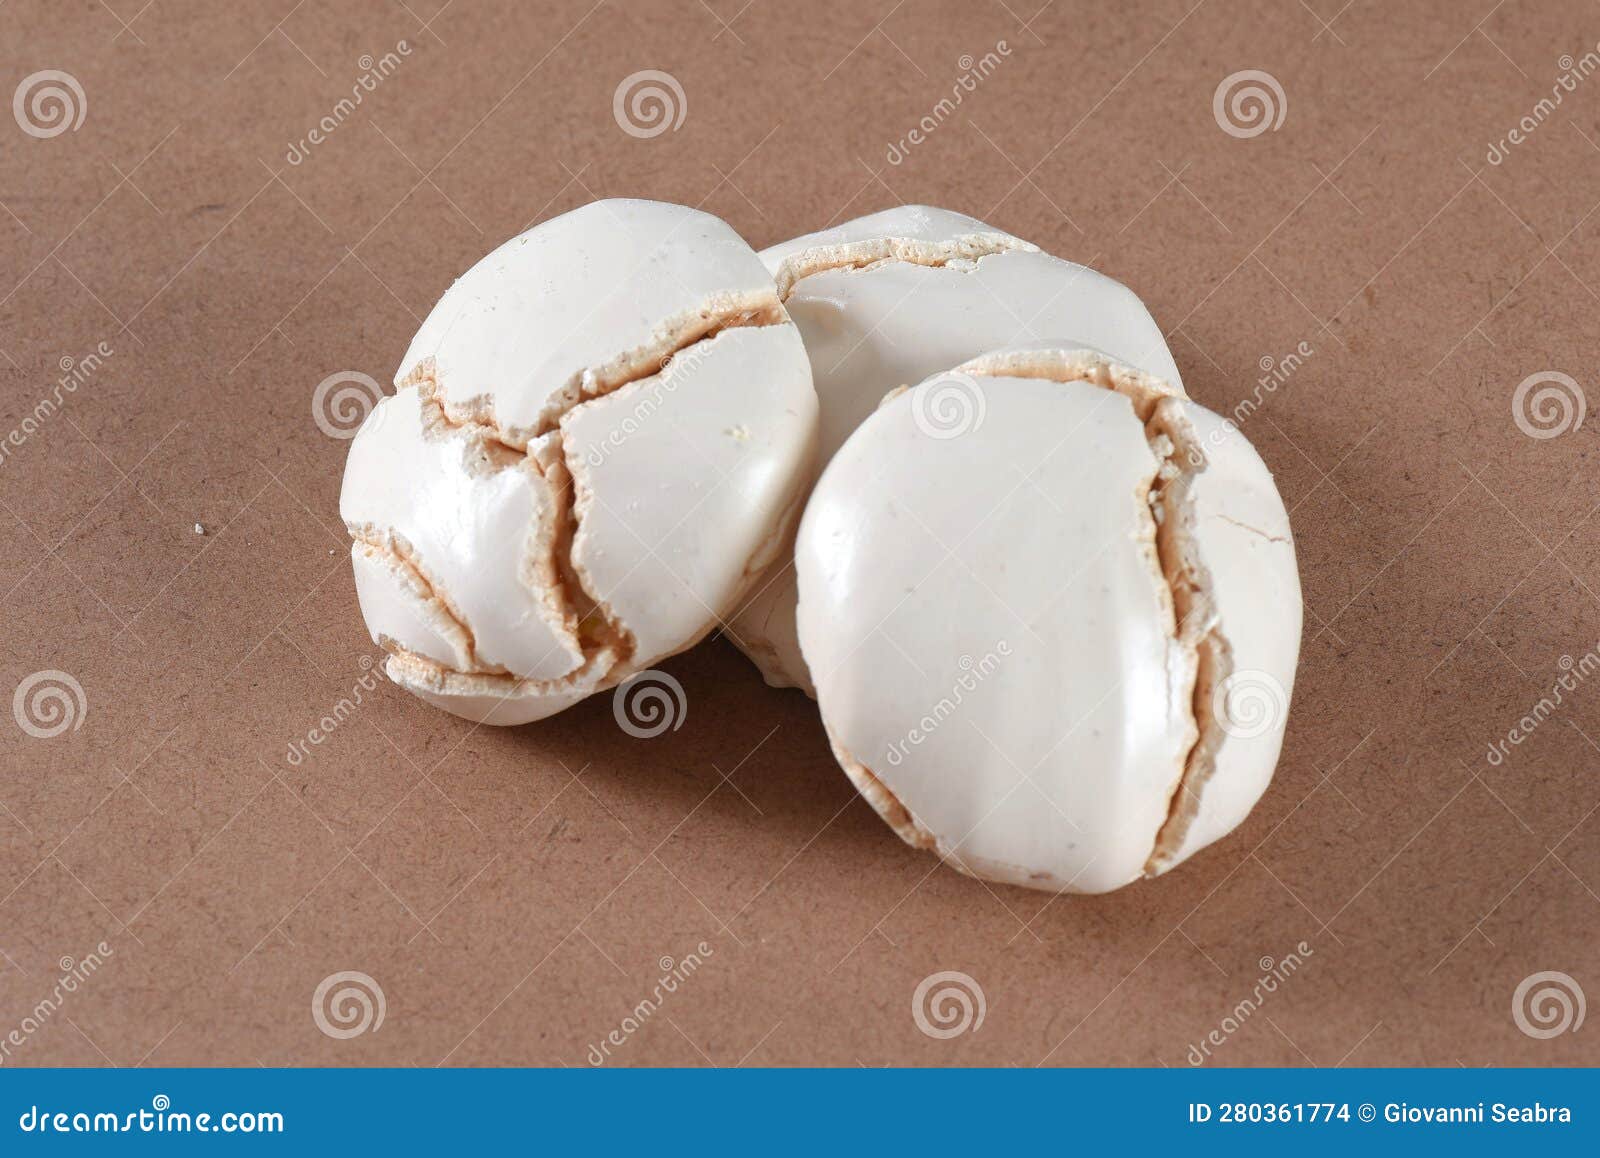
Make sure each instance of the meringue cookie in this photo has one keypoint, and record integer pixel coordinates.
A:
(890, 298)
(1053, 629)
(599, 438)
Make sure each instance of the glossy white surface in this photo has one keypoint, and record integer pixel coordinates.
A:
(596, 439)
(992, 634)
(595, 291)
(936, 289)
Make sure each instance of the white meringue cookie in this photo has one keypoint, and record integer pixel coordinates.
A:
(890, 298)
(1053, 628)
(598, 436)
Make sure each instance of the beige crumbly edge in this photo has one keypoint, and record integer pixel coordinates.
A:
(1202, 658)
(392, 549)
(911, 830)
(598, 672)
(605, 646)
(883, 800)
(1208, 658)
(967, 248)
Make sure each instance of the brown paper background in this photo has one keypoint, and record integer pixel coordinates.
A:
(513, 891)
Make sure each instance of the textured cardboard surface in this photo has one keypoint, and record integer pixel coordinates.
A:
(513, 894)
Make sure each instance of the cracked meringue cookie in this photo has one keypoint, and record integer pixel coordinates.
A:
(600, 436)
(890, 298)
(1054, 641)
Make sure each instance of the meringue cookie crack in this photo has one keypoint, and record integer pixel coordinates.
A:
(1199, 658)
(599, 641)
(957, 252)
